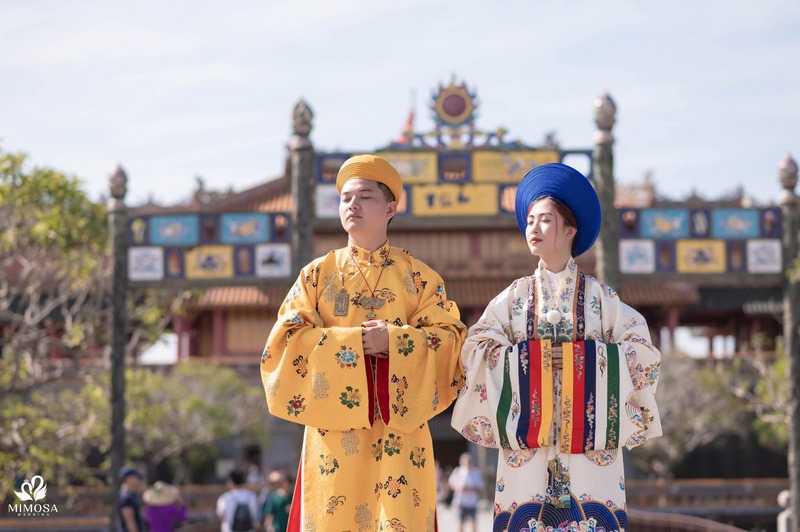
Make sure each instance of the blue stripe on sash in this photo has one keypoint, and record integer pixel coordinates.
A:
(524, 367)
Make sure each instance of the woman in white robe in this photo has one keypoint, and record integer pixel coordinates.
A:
(560, 374)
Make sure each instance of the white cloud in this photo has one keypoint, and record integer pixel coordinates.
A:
(189, 76)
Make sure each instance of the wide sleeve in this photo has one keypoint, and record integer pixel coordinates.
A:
(315, 375)
(423, 373)
(507, 399)
(625, 328)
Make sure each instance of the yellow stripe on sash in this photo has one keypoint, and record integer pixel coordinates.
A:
(567, 378)
(547, 393)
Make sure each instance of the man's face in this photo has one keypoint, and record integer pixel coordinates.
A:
(363, 210)
(133, 483)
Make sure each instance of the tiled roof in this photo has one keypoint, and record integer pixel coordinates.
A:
(658, 294)
(468, 293)
(242, 296)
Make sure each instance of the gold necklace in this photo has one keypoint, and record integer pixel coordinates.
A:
(372, 302)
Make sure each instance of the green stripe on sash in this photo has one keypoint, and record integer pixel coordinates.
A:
(612, 432)
(504, 405)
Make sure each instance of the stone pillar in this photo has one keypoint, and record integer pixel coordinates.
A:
(787, 173)
(607, 250)
(118, 226)
(303, 186)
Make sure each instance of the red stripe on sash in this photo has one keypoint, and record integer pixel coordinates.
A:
(578, 394)
(535, 374)
(383, 388)
(295, 517)
(368, 367)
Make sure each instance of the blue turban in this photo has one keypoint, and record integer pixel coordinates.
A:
(569, 186)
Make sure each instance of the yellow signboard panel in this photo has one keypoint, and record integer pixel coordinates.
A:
(454, 200)
(508, 166)
(414, 167)
(700, 256)
(209, 262)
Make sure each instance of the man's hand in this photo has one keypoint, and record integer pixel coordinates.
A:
(375, 338)
(558, 357)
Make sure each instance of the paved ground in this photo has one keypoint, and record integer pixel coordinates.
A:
(448, 519)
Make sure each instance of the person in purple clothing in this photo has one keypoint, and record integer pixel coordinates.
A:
(165, 507)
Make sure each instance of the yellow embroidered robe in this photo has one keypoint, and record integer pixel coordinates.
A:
(367, 460)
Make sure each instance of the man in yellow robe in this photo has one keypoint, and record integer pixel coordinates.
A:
(365, 351)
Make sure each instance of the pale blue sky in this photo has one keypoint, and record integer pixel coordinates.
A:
(707, 91)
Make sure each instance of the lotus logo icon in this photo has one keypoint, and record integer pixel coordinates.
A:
(33, 490)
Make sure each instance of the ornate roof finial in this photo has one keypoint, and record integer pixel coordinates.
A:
(118, 184)
(605, 115)
(302, 115)
(787, 173)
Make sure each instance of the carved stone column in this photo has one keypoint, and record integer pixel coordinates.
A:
(787, 173)
(118, 226)
(303, 186)
(607, 250)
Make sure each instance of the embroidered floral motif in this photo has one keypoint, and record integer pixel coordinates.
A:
(350, 441)
(301, 363)
(397, 322)
(329, 464)
(265, 354)
(435, 402)
(405, 346)
(347, 358)
(419, 284)
(392, 485)
(492, 356)
(351, 397)
(320, 385)
(516, 306)
(293, 293)
(402, 385)
(392, 445)
(566, 414)
(418, 457)
(296, 405)
(295, 319)
(387, 294)
(392, 525)
(446, 305)
(439, 291)
(385, 260)
(594, 304)
(334, 503)
(613, 421)
(313, 277)
(589, 444)
(415, 496)
(377, 450)
(459, 383)
(433, 342)
(363, 517)
(424, 321)
(481, 389)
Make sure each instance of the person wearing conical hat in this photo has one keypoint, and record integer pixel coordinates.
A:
(561, 375)
(365, 350)
(165, 507)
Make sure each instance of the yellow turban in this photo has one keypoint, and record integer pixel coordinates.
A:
(373, 168)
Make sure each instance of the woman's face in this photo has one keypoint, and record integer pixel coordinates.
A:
(547, 235)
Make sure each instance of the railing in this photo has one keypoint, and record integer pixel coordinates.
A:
(654, 506)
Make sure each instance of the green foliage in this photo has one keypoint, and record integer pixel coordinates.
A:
(178, 415)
